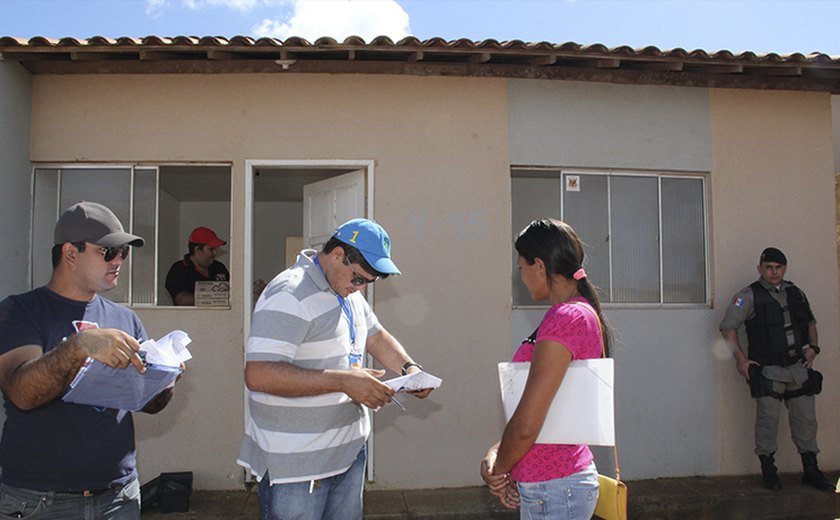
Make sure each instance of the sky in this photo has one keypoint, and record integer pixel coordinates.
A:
(780, 26)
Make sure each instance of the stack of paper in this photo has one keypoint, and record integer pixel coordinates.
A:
(97, 384)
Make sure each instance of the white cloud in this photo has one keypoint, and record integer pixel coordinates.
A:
(339, 19)
(239, 5)
(156, 6)
(153, 7)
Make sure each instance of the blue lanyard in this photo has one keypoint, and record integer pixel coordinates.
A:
(345, 306)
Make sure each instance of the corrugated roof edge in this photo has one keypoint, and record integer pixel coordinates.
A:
(153, 54)
(38, 42)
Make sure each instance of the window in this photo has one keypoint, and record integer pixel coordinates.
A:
(645, 234)
(161, 203)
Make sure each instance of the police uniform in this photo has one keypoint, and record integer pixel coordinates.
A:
(778, 323)
(787, 374)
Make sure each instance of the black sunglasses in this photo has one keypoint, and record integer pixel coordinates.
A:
(358, 280)
(109, 253)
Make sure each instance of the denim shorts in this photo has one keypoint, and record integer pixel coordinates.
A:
(120, 503)
(568, 498)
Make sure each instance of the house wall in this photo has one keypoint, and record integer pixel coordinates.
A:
(568, 124)
(835, 124)
(16, 172)
(441, 189)
(773, 184)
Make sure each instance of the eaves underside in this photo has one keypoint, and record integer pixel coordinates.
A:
(435, 57)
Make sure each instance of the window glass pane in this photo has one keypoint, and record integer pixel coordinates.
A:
(531, 198)
(683, 241)
(44, 214)
(143, 258)
(644, 235)
(110, 187)
(635, 238)
(585, 208)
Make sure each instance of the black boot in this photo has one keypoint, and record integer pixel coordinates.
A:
(812, 475)
(769, 477)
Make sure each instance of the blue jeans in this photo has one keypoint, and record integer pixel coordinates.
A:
(573, 497)
(115, 504)
(332, 498)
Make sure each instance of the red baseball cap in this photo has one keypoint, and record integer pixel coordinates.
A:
(204, 235)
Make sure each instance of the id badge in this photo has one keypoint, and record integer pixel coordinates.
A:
(355, 359)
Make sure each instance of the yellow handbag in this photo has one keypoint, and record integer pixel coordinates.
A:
(612, 499)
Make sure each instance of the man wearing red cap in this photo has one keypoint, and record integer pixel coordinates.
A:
(198, 265)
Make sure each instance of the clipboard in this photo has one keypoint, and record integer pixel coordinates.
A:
(583, 410)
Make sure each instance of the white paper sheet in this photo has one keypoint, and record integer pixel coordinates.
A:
(416, 381)
(582, 411)
(170, 350)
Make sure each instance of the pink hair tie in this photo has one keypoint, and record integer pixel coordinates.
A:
(580, 274)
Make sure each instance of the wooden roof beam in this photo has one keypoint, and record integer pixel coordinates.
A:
(776, 70)
(27, 56)
(544, 60)
(157, 56)
(668, 66)
(220, 55)
(720, 69)
(100, 56)
(606, 63)
(481, 57)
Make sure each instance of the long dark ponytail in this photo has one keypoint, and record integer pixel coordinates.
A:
(558, 246)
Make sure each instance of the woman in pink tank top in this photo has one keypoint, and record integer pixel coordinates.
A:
(549, 481)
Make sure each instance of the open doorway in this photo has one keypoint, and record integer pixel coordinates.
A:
(291, 205)
(298, 205)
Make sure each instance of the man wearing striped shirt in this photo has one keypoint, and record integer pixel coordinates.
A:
(309, 391)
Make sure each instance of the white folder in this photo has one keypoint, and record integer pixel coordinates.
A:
(582, 411)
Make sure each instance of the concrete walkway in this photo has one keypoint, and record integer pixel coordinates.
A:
(701, 498)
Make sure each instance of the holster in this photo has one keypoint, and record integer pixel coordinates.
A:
(760, 386)
(812, 386)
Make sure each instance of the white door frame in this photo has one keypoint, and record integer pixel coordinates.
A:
(251, 166)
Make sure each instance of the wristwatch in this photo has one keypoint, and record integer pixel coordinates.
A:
(409, 365)
(816, 348)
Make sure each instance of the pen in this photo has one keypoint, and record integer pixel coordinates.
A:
(396, 402)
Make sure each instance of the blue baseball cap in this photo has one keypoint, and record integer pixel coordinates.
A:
(371, 240)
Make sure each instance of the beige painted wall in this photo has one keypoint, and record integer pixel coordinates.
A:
(773, 184)
(441, 189)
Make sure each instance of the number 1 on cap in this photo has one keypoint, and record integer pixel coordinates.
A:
(353, 238)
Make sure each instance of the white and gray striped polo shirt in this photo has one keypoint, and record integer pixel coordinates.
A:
(298, 320)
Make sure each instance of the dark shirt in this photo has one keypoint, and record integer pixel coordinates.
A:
(183, 275)
(63, 446)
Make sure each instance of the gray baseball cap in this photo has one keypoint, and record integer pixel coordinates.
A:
(92, 222)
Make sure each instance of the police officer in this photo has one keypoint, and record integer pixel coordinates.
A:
(782, 344)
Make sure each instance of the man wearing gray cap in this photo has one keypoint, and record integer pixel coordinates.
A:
(782, 344)
(64, 460)
(309, 390)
